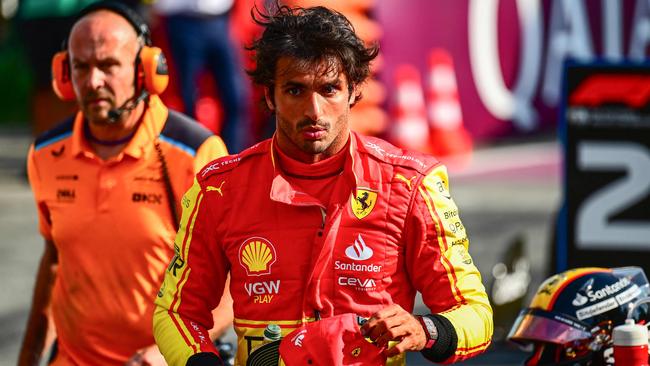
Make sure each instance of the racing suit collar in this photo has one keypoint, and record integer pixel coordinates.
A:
(285, 192)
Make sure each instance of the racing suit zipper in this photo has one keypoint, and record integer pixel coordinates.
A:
(323, 214)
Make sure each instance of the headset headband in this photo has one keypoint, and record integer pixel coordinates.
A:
(132, 16)
(150, 62)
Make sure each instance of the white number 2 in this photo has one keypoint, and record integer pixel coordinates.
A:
(594, 228)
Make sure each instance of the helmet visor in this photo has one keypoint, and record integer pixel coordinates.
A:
(536, 325)
(636, 276)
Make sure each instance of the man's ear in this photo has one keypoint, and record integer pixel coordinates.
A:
(354, 91)
(268, 97)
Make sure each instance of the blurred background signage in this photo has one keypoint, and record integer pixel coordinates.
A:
(605, 124)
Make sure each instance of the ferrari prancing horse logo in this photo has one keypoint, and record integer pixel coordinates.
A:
(363, 202)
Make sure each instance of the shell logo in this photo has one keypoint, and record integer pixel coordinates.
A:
(257, 255)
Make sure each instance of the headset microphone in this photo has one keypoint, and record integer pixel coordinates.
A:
(115, 113)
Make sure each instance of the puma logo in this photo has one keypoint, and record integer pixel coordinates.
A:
(213, 188)
(405, 180)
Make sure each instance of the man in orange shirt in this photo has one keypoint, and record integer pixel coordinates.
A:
(107, 183)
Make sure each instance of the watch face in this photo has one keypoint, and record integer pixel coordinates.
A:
(431, 328)
(431, 331)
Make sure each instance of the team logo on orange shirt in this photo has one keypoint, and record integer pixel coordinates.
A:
(57, 153)
(65, 195)
(257, 255)
(363, 202)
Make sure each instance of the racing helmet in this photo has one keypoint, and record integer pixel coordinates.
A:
(572, 315)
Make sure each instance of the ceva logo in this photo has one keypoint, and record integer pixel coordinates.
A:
(359, 251)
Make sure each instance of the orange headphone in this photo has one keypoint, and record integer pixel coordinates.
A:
(150, 63)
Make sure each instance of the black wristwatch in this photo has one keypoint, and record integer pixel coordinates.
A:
(429, 329)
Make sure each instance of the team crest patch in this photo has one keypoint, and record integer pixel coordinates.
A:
(356, 352)
(257, 255)
(363, 202)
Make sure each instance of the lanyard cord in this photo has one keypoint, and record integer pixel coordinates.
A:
(171, 199)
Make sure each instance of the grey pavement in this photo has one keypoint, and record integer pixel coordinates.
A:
(503, 192)
(20, 243)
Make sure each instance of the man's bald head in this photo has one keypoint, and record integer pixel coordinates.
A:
(103, 48)
(96, 27)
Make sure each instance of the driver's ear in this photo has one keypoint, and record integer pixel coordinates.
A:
(354, 90)
(268, 97)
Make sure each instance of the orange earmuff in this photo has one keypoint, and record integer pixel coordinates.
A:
(61, 82)
(151, 63)
(154, 68)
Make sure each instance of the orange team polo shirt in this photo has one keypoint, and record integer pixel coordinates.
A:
(112, 227)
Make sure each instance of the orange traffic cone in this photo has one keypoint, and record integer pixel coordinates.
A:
(410, 129)
(448, 135)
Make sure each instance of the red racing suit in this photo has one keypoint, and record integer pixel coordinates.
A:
(391, 229)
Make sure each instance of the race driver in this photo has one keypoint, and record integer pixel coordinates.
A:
(319, 221)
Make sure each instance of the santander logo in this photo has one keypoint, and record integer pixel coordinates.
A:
(297, 339)
(358, 251)
(579, 300)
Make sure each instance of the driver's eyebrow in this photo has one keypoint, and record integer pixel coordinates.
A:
(291, 83)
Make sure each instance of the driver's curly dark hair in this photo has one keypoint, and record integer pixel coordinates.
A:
(309, 35)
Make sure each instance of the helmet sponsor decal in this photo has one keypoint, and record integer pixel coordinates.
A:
(608, 290)
(604, 299)
(257, 255)
(596, 309)
(579, 300)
